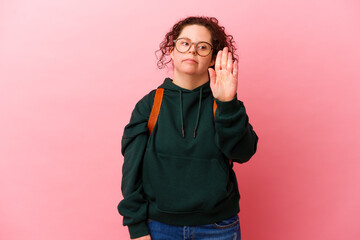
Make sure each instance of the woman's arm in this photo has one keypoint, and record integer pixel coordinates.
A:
(234, 134)
(134, 206)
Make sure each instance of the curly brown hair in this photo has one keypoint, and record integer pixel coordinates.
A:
(219, 38)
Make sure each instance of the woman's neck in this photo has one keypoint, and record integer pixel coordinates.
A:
(189, 82)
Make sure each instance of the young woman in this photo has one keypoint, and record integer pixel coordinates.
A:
(178, 181)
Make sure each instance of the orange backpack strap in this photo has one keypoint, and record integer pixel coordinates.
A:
(155, 109)
(214, 108)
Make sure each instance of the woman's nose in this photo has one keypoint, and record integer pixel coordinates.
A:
(192, 48)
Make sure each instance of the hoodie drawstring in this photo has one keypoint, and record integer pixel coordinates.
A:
(198, 114)
(182, 117)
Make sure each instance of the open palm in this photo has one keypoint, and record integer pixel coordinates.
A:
(224, 79)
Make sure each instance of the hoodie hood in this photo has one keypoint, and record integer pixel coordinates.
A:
(169, 85)
(201, 92)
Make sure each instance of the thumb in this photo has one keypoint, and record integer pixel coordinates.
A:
(212, 75)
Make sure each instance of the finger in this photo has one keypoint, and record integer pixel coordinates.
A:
(212, 76)
(229, 66)
(224, 58)
(218, 61)
(236, 69)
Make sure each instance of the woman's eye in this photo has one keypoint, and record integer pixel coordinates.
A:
(202, 47)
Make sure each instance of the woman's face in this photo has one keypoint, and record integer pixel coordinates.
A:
(190, 62)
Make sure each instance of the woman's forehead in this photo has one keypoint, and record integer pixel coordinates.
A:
(196, 33)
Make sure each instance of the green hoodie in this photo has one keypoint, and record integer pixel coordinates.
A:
(180, 174)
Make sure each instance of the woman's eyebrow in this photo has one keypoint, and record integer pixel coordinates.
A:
(196, 41)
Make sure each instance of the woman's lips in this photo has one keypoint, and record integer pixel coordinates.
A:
(190, 60)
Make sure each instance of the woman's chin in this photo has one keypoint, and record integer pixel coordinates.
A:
(190, 71)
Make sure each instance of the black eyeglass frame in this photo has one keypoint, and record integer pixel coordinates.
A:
(196, 44)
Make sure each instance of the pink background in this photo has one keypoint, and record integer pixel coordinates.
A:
(72, 71)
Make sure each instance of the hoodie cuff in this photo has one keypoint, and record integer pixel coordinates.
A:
(229, 107)
(138, 230)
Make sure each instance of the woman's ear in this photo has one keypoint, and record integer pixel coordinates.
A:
(212, 63)
(172, 53)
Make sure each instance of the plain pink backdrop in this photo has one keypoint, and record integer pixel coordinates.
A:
(72, 71)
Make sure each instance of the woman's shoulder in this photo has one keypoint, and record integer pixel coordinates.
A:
(148, 99)
(144, 105)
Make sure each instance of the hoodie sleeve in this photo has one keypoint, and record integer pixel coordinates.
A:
(234, 134)
(134, 206)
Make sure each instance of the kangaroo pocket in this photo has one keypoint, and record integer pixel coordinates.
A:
(185, 184)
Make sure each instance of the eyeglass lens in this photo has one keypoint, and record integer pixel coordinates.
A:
(184, 44)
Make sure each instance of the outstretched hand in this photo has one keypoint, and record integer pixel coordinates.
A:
(224, 79)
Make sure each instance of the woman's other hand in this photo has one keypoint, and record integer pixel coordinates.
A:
(147, 237)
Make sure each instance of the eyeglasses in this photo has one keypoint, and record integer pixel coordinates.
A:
(201, 48)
